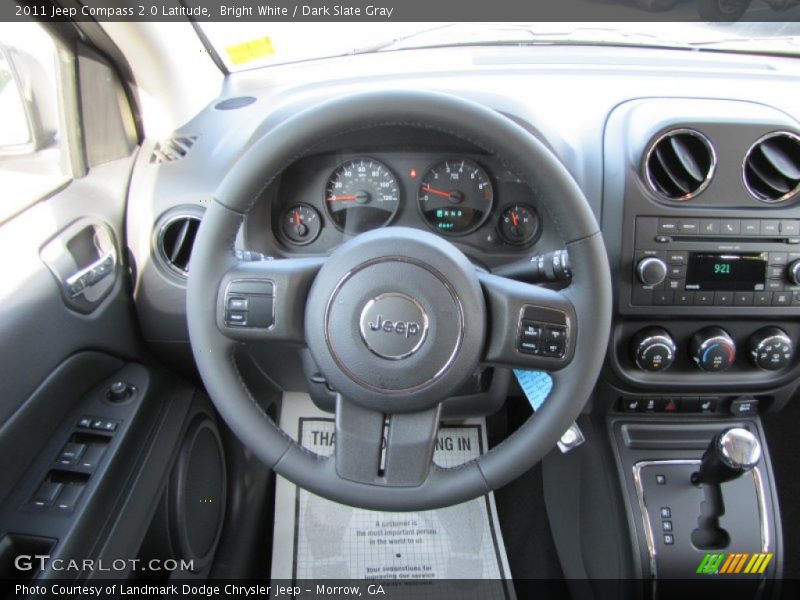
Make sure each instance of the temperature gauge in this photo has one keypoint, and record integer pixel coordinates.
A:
(519, 224)
(301, 224)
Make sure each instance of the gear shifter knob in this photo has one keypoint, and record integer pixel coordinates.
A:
(731, 453)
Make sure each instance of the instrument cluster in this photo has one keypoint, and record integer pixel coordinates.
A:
(324, 199)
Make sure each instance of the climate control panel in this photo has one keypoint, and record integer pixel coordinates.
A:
(711, 349)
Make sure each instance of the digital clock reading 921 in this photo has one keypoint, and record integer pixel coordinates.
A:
(726, 272)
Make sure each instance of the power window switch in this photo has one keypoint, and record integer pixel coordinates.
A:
(71, 453)
(69, 497)
(46, 494)
(92, 456)
(85, 423)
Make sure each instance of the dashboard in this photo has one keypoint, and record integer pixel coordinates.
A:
(689, 162)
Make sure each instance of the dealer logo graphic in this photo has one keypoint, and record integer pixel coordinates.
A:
(722, 563)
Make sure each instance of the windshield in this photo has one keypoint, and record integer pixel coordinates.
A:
(251, 45)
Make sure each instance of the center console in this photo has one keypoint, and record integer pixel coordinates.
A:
(702, 225)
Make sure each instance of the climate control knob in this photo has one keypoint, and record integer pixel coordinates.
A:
(713, 349)
(770, 348)
(653, 349)
(793, 272)
(651, 270)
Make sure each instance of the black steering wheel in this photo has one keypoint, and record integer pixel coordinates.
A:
(398, 319)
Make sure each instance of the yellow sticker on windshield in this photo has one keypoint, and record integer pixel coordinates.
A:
(252, 50)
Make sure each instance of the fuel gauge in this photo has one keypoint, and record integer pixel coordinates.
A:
(519, 224)
(301, 224)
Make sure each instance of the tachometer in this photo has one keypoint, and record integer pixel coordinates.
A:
(362, 194)
(455, 196)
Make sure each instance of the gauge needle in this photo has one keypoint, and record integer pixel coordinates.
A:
(514, 218)
(430, 190)
(297, 220)
(337, 198)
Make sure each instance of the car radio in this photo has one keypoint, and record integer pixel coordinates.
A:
(716, 262)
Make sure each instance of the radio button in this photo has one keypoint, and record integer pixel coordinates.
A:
(778, 258)
(690, 226)
(683, 298)
(674, 284)
(677, 258)
(709, 226)
(743, 299)
(774, 285)
(775, 272)
(796, 299)
(770, 227)
(762, 299)
(723, 299)
(782, 299)
(751, 226)
(668, 226)
(790, 227)
(704, 298)
(662, 298)
(731, 226)
(679, 271)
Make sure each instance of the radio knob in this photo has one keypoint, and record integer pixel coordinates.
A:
(653, 349)
(651, 271)
(771, 348)
(713, 349)
(793, 272)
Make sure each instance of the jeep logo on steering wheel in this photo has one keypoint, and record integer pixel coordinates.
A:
(396, 314)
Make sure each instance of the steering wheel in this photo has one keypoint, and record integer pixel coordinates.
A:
(397, 319)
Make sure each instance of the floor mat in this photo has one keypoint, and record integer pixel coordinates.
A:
(320, 539)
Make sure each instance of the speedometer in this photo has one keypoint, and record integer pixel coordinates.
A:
(361, 194)
(455, 196)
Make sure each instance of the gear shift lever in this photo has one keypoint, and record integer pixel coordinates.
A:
(731, 453)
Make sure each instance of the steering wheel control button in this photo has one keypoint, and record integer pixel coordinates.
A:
(530, 341)
(393, 325)
(249, 303)
(653, 349)
(771, 349)
(555, 341)
(712, 349)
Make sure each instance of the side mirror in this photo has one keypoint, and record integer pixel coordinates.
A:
(28, 110)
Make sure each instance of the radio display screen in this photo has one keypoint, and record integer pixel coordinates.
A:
(726, 272)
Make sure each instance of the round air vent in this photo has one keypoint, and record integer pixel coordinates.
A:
(176, 240)
(680, 164)
(772, 167)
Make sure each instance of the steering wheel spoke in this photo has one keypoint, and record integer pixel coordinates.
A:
(390, 450)
(530, 326)
(264, 300)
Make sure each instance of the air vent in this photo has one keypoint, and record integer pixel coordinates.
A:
(772, 167)
(680, 164)
(176, 241)
(172, 149)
